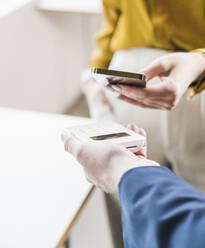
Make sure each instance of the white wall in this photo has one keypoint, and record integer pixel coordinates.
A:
(9, 6)
(42, 55)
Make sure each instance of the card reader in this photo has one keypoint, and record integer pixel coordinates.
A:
(109, 131)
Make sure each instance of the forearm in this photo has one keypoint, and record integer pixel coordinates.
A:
(161, 210)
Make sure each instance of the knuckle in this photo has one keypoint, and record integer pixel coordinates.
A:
(164, 63)
(169, 108)
(172, 105)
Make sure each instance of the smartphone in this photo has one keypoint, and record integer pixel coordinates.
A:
(108, 131)
(106, 77)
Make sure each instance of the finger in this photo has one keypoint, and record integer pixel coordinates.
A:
(142, 153)
(131, 101)
(72, 144)
(113, 80)
(140, 104)
(130, 82)
(134, 102)
(114, 89)
(159, 66)
(142, 132)
(109, 87)
(160, 103)
(162, 94)
(161, 90)
(136, 129)
(66, 133)
(133, 127)
(143, 150)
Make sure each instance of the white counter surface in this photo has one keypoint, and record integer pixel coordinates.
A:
(41, 187)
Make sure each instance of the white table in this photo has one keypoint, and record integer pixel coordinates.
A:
(42, 189)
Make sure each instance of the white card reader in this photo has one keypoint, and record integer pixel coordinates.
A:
(111, 132)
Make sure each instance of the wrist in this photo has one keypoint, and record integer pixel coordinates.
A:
(137, 169)
(138, 163)
(200, 58)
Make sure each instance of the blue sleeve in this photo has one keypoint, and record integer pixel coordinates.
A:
(161, 210)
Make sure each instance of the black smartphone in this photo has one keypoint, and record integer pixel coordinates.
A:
(106, 77)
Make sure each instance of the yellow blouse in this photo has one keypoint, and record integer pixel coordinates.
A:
(177, 25)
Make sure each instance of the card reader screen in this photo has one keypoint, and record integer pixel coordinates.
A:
(110, 136)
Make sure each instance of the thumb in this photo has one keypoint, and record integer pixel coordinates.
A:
(157, 68)
(72, 143)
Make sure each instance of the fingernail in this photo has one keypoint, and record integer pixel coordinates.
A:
(116, 88)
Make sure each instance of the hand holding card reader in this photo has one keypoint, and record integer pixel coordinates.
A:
(111, 132)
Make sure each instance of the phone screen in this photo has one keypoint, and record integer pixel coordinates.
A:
(110, 136)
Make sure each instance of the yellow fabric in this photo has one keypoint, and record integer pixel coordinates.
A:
(196, 90)
(177, 25)
(201, 83)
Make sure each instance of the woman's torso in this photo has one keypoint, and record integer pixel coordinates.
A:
(166, 24)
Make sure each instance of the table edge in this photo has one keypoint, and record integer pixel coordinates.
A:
(68, 229)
